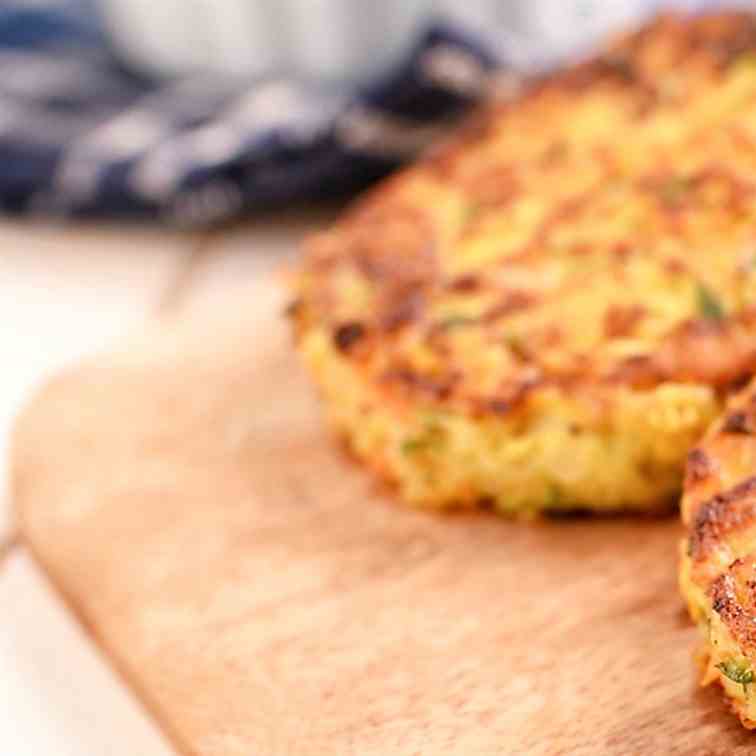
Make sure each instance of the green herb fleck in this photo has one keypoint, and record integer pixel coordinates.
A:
(709, 305)
(674, 189)
(429, 440)
(412, 445)
(739, 672)
(454, 321)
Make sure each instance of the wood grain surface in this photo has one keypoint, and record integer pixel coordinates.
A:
(263, 596)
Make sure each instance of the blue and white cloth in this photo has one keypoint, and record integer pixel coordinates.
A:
(83, 136)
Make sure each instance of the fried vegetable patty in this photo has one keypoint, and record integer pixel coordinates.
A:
(718, 563)
(547, 312)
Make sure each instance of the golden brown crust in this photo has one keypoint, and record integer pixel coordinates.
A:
(718, 571)
(572, 278)
(490, 233)
(700, 466)
(733, 596)
(721, 517)
(715, 352)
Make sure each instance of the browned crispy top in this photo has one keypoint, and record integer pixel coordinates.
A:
(719, 504)
(733, 597)
(723, 516)
(599, 229)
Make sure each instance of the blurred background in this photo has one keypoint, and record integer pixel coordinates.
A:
(155, 155)
(191, 112)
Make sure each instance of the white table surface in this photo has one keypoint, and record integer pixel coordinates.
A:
(65, 292)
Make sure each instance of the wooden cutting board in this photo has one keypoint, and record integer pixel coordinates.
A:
(264, 597)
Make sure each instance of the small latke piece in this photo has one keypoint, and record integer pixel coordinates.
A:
(548, 312)
(718, 559)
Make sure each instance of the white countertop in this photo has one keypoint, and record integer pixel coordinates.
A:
(65, 292)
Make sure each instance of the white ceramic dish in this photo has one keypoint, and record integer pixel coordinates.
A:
(350, 40)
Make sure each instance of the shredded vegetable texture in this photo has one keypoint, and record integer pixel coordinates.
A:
(719, 508)
(738, 672)
(569, 286)
(709, 304)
